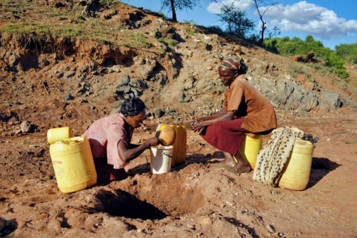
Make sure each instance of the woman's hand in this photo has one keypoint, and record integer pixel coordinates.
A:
(153, 141)
(197, 125)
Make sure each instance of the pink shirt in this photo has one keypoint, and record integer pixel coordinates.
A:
(104, 136)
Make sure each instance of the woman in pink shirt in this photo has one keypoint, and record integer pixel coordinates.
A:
(110, 137)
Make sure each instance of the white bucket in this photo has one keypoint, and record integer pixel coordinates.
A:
(161, 158)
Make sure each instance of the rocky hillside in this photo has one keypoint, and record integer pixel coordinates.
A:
(58, 61)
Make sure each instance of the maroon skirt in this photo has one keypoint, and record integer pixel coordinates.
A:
(106, 172)
(225, 135)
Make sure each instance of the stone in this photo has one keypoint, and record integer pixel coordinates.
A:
(123, 80)
(158, 112)
(59, 75)
(26, 127)
(137, 83)
(116, 105)
(69, 75)
(65, 68)
(115, 69)
(308, 102)
(135, 92)
(125, 89)
(170, 112)
(181, 97)
(204, 221)
(331, 100)
(13, 60)
(302, 113)
(68, 97)
(145, 72)
(270, 228)
(160, 78)
(84, 69)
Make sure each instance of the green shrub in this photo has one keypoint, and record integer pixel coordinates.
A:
(120, 27)
(11, 28)
(80, 17)
(169, 42)
(189, 22)
(347, 51)
(189, 31)
(295, 46)
(107, 3)
(161, 15)
(136, 39)
(296, 69)
(65, 31)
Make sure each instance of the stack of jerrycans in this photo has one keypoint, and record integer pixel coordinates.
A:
(179, 150)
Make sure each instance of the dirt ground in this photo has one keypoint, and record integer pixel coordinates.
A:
(195, 199)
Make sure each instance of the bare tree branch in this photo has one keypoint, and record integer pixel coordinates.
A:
(266, 5)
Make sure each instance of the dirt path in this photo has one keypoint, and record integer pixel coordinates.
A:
(196, 199)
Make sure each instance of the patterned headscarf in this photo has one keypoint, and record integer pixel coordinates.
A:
(231, 64)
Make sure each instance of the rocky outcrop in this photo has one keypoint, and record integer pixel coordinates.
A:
(182, 76)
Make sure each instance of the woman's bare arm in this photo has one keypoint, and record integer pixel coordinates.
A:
(214, 116)
(197, 125)
(127, 154)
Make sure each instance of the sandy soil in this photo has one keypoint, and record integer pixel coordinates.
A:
(195, 199)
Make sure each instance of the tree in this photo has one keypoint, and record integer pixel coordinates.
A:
(347, 51)
(172, 5)
(237, 23)
(262, 7)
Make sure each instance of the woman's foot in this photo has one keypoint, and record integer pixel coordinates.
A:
(228, 160)
(242, 167)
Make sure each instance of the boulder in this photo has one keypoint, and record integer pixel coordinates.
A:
(26, 127)
(123, 81)
(158, 112)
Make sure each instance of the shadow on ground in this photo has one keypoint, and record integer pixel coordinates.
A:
(190, 159)
(320, 168)
(124, 204)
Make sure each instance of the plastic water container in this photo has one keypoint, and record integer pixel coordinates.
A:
(296, 173)
(73, 164)
(58, 134)
(161, 159)
(180, 145)
(250, 148)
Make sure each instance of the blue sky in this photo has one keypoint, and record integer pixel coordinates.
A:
(332, 22)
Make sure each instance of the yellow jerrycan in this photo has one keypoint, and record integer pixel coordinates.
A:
(58, 134)
(73, 164)
(296, 173)
(179, 150)
(250, 148)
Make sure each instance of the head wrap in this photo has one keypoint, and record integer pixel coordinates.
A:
(230, 63)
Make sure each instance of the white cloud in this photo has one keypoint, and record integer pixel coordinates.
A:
(311, 19)
(299, 17)
(215, 7)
